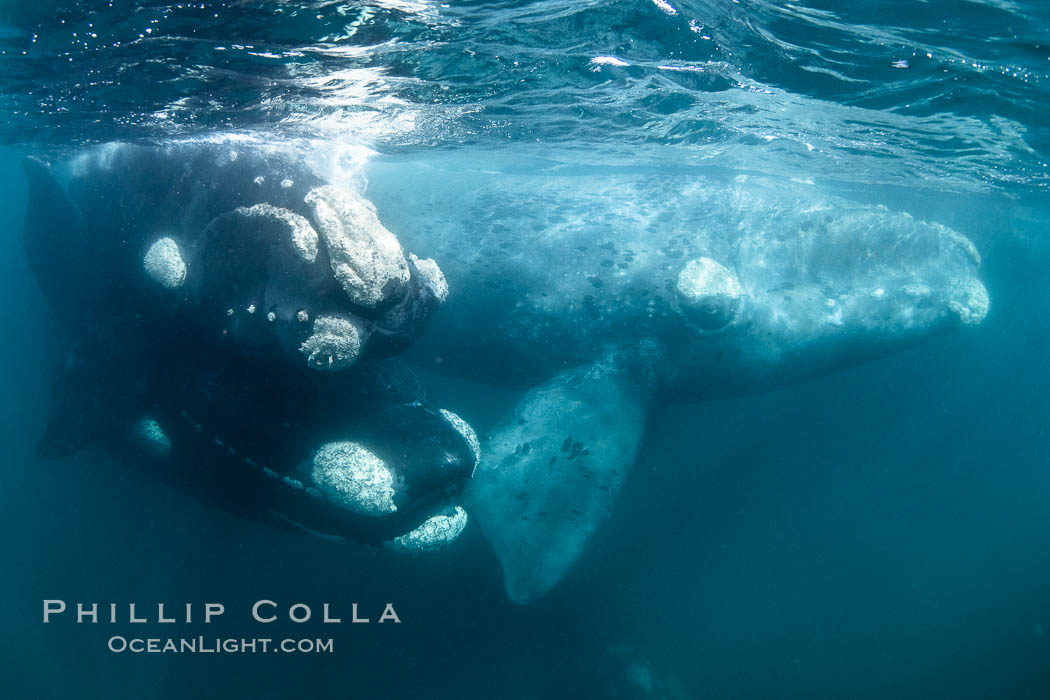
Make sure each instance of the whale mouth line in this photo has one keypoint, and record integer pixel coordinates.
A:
(427, 530)
(225, 448)
(307, 486)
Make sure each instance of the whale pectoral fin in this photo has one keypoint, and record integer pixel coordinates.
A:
(550, 474)
(92, 395)
(57, 246)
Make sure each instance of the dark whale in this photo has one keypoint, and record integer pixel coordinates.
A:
(230, 353)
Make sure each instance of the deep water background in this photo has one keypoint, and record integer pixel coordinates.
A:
(882, 532)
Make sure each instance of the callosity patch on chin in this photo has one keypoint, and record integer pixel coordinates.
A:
(149, 436)
(164, 264)
(463, 428)
(353, 477)
(436, 533)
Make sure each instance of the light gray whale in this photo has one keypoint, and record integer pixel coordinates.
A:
(599, 293)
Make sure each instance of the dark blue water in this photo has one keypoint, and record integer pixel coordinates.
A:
(881, 532)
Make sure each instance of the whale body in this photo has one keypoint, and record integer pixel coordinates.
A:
(600, 292)
(229, 319)
(275, 298)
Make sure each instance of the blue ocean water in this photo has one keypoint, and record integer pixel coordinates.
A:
(879, 532)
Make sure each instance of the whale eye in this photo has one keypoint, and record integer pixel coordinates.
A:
(714, 312)
(709, 294)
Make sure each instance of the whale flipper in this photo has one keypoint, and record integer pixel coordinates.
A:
(58, 246)
(93, 393)
(551, 472)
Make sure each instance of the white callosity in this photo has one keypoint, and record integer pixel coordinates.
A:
(705, 277)
(164, 264)
(304, 238)
(807, 263)
(433, 277)
(148, 434)
(366, 258)
(437, 532)
(463, 428)
(709, 291)
(969, 301)
(891, 275)
(355, 478)
(334, 344)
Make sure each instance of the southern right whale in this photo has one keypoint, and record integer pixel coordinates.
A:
(228, 316)
(596, 294)
(599, 293)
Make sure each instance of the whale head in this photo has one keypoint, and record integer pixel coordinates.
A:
(252, 245)
(802, 295)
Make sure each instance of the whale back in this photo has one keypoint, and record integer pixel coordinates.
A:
(545, 274)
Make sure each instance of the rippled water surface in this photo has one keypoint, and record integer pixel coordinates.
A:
(946, 91)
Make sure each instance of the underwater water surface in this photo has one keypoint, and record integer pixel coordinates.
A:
(876, 532)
